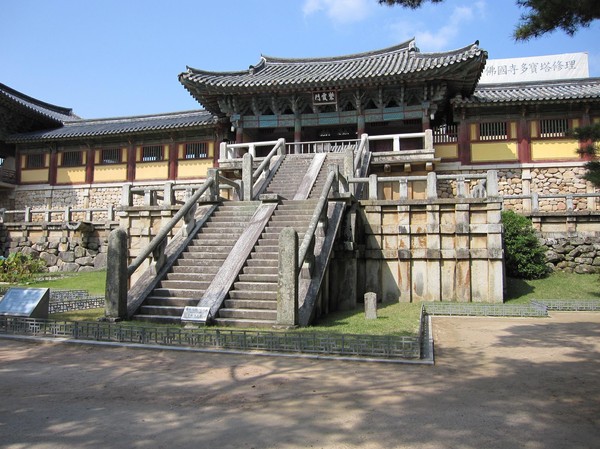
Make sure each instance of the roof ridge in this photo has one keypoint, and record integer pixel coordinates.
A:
(52, 107)
(138, 117)
(408, 45)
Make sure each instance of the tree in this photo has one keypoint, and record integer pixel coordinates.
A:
(591, 136)
(523, 254)
(543, 16)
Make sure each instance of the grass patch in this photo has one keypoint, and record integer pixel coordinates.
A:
(78, 315)
(558, 285)
(92, 281)
(392, 319)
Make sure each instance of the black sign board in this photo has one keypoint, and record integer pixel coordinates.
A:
(25, 302)
(324, 97)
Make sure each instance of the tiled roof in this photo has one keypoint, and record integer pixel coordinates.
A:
(542, 91)
(120, 126)
(54, 113)
(400, 63)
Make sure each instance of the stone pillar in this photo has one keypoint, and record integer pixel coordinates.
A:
(247, 182)
(431, 186)
(370, 306)
(287, 289)
(116, 275)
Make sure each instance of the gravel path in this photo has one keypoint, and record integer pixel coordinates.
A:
(497, 383)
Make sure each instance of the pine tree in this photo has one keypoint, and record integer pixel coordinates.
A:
(542, 16)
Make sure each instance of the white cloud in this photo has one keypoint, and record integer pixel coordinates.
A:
(440, 38)
(340, 11)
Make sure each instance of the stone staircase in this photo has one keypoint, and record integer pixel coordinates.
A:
(194, 270)
(252, 301)
(286, 181)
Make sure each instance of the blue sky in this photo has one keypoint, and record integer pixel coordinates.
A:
(109, 58)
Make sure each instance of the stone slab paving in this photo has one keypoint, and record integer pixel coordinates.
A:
(497, 383)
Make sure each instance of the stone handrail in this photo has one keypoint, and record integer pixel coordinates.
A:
(317, 217)
(487, 187)
(234, 150)
(363, 148)
(47, 215)
(278, 149)
(187, 210)
(535, 198)
(251, 176)
(320, 146)
(426, 135)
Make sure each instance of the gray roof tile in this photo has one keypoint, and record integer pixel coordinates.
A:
(541, 91)
(403, 62)
(119, 126)
(49, 111)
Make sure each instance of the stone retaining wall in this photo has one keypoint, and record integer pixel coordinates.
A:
(72, 252)
(573, 254)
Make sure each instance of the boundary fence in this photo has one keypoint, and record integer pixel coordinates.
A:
(312, 343)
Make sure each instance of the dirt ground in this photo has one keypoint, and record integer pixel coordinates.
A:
(497, 383)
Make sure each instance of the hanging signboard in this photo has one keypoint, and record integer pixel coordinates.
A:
(536, 68)
(324, 97)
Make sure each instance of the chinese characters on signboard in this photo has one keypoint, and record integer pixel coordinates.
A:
(324, 97)
(538, 68)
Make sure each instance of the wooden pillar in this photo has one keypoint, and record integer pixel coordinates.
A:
(89, 165)
(360, 125)
(131, 163)
(524, 138)
(297, 128)
(173, 150)
(239, 134)
(52, 171)
(464, 142)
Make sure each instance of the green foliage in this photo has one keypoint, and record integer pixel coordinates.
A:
(590, 136)
(19, 267)
(542, 16)
(524, 256)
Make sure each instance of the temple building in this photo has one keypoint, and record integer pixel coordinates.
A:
(51, 157)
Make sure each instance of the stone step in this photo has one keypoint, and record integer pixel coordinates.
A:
(194, 262)
(171, 301)
(161, 310)
(265, 263)
(264, 256)
(198, 277)
(254, 277)
(209, 249)
(266, 248)
(253, 295)
(178, 293)
(196, 270)
(184, 285)
(248, 314)
(159, 319)
(196, 255)
(262, 287)
(250, 304)
(244, 323)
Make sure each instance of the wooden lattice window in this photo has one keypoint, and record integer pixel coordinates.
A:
(554, 127)
(110, 156)
(35, 161)
(493, 131)
(152, 153)
(72, 158)
(196, 150)
(445, 134)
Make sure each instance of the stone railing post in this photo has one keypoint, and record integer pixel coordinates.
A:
(116, 275)
(570, 205)
(287, 288)
(373, 190)
(126, 195)
(461, 188)
(67, 216)
(213, 173)
(27, 217)
(403, 188)
(247, 182)
(535, 202)
(491, 184)
(169, 194)
(428, 140)
(432, 186)
(223, 150)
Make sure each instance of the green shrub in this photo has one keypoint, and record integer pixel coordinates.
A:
(523, 255)
(18, 267)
